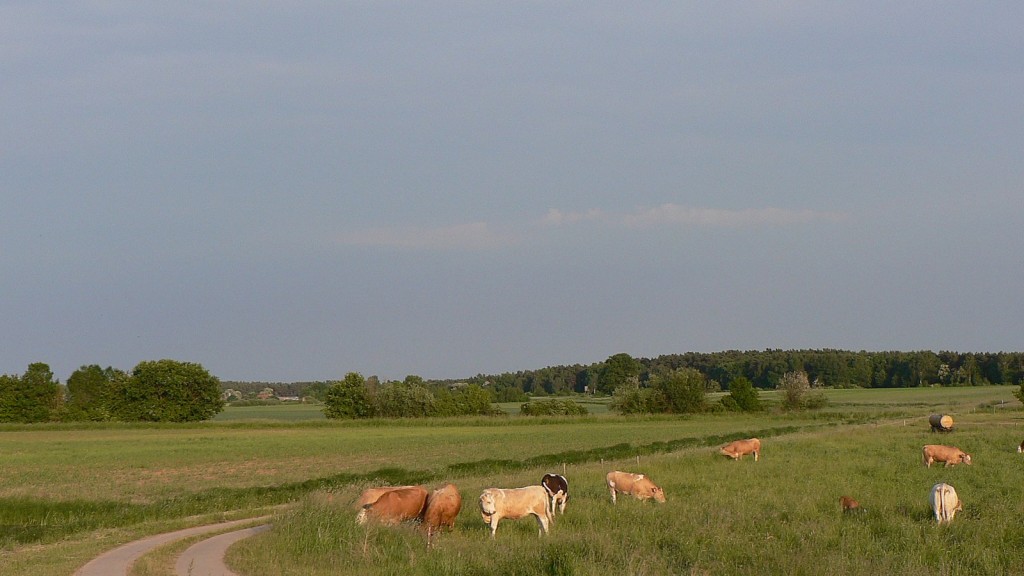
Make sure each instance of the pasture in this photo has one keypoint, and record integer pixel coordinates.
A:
(69, 492)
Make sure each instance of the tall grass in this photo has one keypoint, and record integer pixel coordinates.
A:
(777, 516)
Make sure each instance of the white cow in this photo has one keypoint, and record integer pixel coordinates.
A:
(515, 503)
(945, 502)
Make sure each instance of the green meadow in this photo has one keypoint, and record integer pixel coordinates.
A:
(69, 492)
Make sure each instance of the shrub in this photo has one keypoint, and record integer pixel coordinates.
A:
(553, 408)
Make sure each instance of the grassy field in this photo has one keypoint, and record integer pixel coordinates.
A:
(69, 492)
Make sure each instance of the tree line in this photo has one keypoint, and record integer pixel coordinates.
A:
(765, 369)
(154, 391)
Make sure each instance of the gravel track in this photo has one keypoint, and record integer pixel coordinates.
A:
(210, 557)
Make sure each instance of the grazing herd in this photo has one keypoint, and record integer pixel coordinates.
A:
(438, 509)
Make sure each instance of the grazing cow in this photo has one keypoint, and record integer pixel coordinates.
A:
(945, 502)
(951, 455)
(558, 489)
(638, 485)
(515, 503)
(738, 448)
(849, 504)
(370, 495)
(395, 506)
(443, 505)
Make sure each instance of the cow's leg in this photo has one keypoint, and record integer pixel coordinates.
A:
(612, 490)
(757, 453)
(494, 525)
(543, 521)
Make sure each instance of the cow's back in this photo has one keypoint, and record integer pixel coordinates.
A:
(622, 481)
(945, 502)
(443, 505)
(399, 505)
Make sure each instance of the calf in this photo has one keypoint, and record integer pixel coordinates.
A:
(945, 503)
(638, 485)
(738, 448)
(515, 503)
(849, 504)
(951, 455)
(557, 488)
(395, 506)
(443, 505)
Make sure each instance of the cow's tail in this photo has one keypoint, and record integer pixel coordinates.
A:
(549, 509)
(943, 514)
(942, 499)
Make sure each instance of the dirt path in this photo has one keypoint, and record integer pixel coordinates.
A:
(118, 562)
(206, 558)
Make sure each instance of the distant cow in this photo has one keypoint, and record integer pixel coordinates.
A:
(849, 504)
(443, 505)
(951, 455)
(945, 502)
(515, 503)
(395, 506)
(638, 485)
(1020, 448)
(738, 448)
(370, 495)
(558, 490)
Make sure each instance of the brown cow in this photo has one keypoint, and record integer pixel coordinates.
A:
(395, 506)
(849, 504)
(638, 485)
(515, 503)
(443, 505)
(945, 502)
(370, 495)
(951, 455)
(1020, 448)
(738, 448)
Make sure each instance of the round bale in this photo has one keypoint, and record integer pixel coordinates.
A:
(941, 422)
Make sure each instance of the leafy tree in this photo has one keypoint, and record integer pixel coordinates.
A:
(682, 391)
(401, 400)
(797, 395)
(472, 400)
(618, 370)
(743, 395)
(348, 398)
(167, 391)
(1019, 393)
(89, 392)
(33, 397)
(635, 400)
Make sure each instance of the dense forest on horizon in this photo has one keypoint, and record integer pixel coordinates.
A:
(826, 368)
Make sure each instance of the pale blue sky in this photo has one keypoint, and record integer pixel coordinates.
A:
(295, 190)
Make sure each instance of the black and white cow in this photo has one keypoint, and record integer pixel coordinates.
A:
(557, 488)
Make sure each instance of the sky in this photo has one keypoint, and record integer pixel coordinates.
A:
(291, 191)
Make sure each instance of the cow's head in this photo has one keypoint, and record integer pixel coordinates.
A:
(658, 494)
(487, 508)
(966, 459)
(361, 517)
